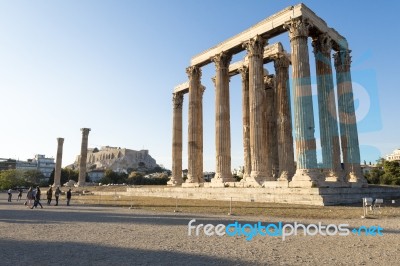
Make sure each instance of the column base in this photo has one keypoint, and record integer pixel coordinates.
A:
(276, 184)
(222, 179)
(249, 181)
(306, 178)
(192, 184)
(174, 183)
(357, 180)
(333, 176)
(284, 176)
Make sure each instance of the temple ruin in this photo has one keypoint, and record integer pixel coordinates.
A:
(270, 159)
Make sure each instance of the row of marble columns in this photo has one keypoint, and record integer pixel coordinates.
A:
(267, 130)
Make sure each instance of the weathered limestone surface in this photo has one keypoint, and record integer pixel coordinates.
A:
(270, 136)
(347, 118)
(267, 128)
(275, 193)
(269, 28)
(222, 120)
(57, 171)
(83, 156)
(176, 177)
(306, 173)
(194, 137)
(255, 48)
(284, 119)
(244, 71)
(327, 109)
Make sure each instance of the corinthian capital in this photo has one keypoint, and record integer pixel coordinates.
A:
(322, 44)
(193, 72)
(177, 100)
(342, 60)
(297, 28)
(202, 90)
(281, 61)
(244, 71)
(255, 46)
(269, 82)
(222, 60)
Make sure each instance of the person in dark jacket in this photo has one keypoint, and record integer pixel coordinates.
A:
(69, 194)
(37, 198)
(49, 195)
(57, 194)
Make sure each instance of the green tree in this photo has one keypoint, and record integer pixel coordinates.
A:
(392, 173)
(11, 178)
(33, 176)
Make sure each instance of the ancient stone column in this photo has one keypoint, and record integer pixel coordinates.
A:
(327, 109)
(83, 157)
(222, 120)
(284, 119)
(194, 137)
(255, 49)
(347, 119)
(244, 71)
(271, 148)
(57, 171)
(176, 178)
(200, 113)
(306, 173)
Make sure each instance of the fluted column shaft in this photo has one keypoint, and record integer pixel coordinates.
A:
(347, 118)
(176, 178)
(246, 121)
(303, 105)
(200, 114)
(327, 108)
(222, 119)
(255, 49)
(57, 171)
(284, 119)
(194, 137)
(83, 156)
(271, 148)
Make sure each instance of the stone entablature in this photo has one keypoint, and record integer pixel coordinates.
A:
(269, 28)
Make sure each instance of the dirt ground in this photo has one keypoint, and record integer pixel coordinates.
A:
(93, 235)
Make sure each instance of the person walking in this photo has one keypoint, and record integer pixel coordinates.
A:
(9, 192)
(57, 194)
(49, 194)
(19, 194)
(37, 198)
(69, 194)
(29, 197)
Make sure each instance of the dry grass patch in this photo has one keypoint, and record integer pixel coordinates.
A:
(238, 208)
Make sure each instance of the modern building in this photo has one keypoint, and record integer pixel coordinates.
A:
(40, 163)
(395, 156)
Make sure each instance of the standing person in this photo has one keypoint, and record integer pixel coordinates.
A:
(69, 194)
(19, 194)
(29, 197)
(57, 194)
(49, 194)
(37, 198)
(9, 195)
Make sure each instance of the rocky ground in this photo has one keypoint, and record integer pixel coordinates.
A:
(87, 235)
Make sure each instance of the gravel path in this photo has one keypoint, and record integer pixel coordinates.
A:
(86, 235)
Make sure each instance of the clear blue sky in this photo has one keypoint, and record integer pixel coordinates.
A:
(112, 65)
